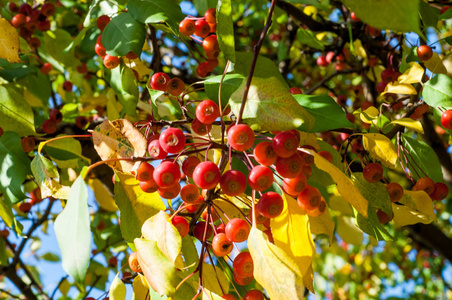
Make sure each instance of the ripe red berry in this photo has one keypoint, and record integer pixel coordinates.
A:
(241, 137)
(318, 210)
(172, 140)
(102, 22)
(210, 44)
(145, 171)
(388, 75)
(424, 52)
(13, 7)
(190, 193)
(285, 144)
(48, 9)
(211, 15)
(34, 42)
(18, 20)
(200, 228)
(440, 192)
(25, 9)
(294, 186)
(233, 183)
(111, 62)
(309, 198)
(204, 69)
(155, 150)
(237, 230)
(243, 264)
(56, 115)
(49, 126)
(395, 191)
(100, 50)
(228, 297)
(200, 128)
(446, 119)
(166, 174)
(25, 207)
(254, 295)
(383, 218)
(181, 225)
(425, 184)
(295, 91)
(46, 68)
(209, 217)
(189, 165)
(131, 55)
(28, 144)
(327, 155)
(242, 280)
(202, 28)
(207, 111)
(149, 186)
(354, 17)
(206, 175)
(221, 246)
(260, 178)
(113, 261)
(81, 122)
(133, 262)
(373, 172)
(67, 86)
(289, 167)
(175, 86)
(187, 27)
(322, 61)
(270, 205)
(170, 192)
(264, 153)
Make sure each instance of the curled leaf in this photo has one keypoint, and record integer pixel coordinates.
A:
(413, 74)
(410, 124)
(380, 148)
(417, 208)
(399, 88)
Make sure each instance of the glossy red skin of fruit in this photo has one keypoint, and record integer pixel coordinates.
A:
(202, 28)
(200, 228)
(49, 126)
(4, 233)
(210, 43)
(220, 228)
(206, 175)
(395, 191)
(28, 144)
(289, 167)
(81, 122)
(159, 81)
(209, 217)
(166, 174)
(190, 193)
(270, 205)
(25, 9)
(254, 295)
(243, 264)
(18, 20)
(295, 91)
(82, 68)
(172, 140)
(229, 297)
(200, 128)
(260, 219)
(44, 26)
(260, 178)
(285, 144)
(175, 86)
(25, 207)
(264, 153)
(237, 230)
(181, 225)
(373, 172)
(242, 280)
(446, 119)
(46, 68)
(149, 186)
(187, 27)
(189, 165)
(425, 184)
(34, 42)
(207, 111)
(424, 52)
(327, 155)
(294, 186)
(204, 69)
(102, 22)
(354, 17)
(67, 86)
(211, 15)
(156, 151)
(440, 192)
(389, 75)
(170, 192)
(48, 9)
(233, 183)
(309, 198)
(318, 210)
(322, 61)
(111, 62)
(13, 7)
(133, 262)
(100, 50)
(383, 218)
(241, 137)
(145, 171)
(221, 246)
(131, 55)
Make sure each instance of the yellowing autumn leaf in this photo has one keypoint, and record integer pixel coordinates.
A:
(368, 116)
(323, 225)
(348, 231)
(410, 124)
(345, 186)
(291, 233)
(413, 74)
(140, 287)
(380, 148)
(399, 88)
(435, 64)
(9, 42)
(103, 195)
(117, 289)
(138, 65)
(417, 208)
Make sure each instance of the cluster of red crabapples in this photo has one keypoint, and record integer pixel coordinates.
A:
(373, 172)
(201, 28)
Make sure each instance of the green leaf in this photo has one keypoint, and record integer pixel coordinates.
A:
(446, 15)
(13, 72)
(399, 16)
(55, 44)
(73, 233)
(15, 113)
(438, 91)
(117, 289)
(66, 153)
(274, 269)
(3, 253)
(98, 8)
(230, 84)
(372, 226)
(422, 158)
(123, 34)
(122, 81)
(225, 29)
(160, 273)
(265, 68)
(50, 257)
(307, 37)
(270, 106)
(190, 253)
(203, 5)
(39, 85)
(48, 179)
(328, 114)
(14, 167)
(157, 11)
(316, 3)
(135, 205)
(429, 15)
(376, 193)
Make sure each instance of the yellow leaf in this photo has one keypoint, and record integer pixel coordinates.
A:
(9, 42)
(417, 208)
(348, 231)
(309, 139)
(435, 64)
(307, 279)
(208, 295)
(213, 277)
(274, 269)
(345, 186)
(413, 74)
(402, 88)
(374, 74)
(117, 289)
(339, 204)
(229, 210)
(103, 195)
(323, 225)
(140, 287)
(410, 124)
(359, 49)
(137, 65)
(51, 187)
(368, 116)
(32, 99)
(292, 234)
(380, 148)
(99, 100)
(113, 106)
